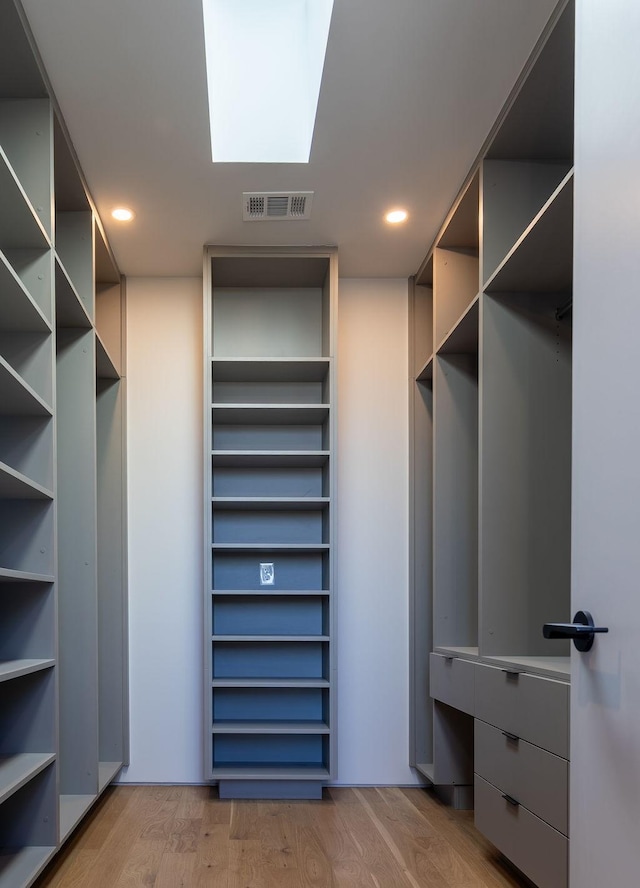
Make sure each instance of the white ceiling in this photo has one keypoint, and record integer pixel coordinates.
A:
(409, 94)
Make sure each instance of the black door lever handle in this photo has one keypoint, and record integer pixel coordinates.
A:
(582, 630)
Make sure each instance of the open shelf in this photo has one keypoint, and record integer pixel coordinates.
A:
(463, 336)
(541, 261)
(19, 313)
(107, 771)
(272, 458)
(10, 669)
(70, 309)
(266, 369)
(256, 682)
(72, 810)
(15, 485)
(265, 727)
(20, 866)
(271, 414)
(22, 576)
(16, 770)
(20, 227)
(17, 398)
(105, 367)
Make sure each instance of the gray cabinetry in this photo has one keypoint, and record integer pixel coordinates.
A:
(490, 461)
(270, 521)
(58, 634)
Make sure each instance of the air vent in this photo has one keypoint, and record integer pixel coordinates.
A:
(276, 206)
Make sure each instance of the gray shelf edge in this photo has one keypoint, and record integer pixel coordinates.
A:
(558, 668)
(43, 324)
(427, 770)
(23, 667)
(21, 480)
(272, 639)
(8, 575)
(72, 808)
(270, 593)
(28, 211)
(25, 389)
(529, 229)
(272, 727)
(20, 769)
(463, 653)
(105, 367)
(83, 321)
(22, 866)
(265, 772)
(270, 683)
(271, 547)
(443, 348)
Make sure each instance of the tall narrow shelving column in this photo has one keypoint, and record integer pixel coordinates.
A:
(270, 521)
(28, 749)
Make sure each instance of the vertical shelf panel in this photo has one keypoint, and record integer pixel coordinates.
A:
(77, 562)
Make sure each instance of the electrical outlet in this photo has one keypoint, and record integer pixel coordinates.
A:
(267, 573)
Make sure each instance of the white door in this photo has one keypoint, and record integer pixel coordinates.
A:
(605, 692)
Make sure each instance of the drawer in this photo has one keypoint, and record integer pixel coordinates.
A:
(452, 681)
(533, 708)
(538, 779)
(541, 852)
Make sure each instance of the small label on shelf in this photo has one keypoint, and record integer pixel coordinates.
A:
(267, 573)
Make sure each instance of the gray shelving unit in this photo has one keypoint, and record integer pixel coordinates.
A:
(270, 520)
(490, 368)
(62, 470)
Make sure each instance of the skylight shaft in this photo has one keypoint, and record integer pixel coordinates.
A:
(264, 69)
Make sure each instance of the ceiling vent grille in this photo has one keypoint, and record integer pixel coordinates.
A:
(276, 206)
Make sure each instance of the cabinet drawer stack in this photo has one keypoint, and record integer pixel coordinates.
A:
(522, 770)
(270, 515)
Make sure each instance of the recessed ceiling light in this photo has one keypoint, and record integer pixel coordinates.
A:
(123, 214)
(395, 217)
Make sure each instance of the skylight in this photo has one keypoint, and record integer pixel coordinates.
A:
(264, 69)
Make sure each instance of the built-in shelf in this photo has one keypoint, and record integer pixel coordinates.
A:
(20, 227)
(427, 770)
(463, 336)
(17, 398)
(16, 770)
(105, 367)
(23, 576)
(269, 638)
(72, 810)
(426, 373)
(21, 866)
(270, 683)
(269, 369)
(257, 504)
(269, 592)
(10, 669)
(270, 727)
(270, 547)
(70, 309)
(18, 312)
(15, 485)
(106, 773)
(542, 259)
(270, 414)
(270, 458)
(270, 772)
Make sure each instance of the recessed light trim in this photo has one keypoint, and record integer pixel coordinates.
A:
(396, 217)
(123, 214)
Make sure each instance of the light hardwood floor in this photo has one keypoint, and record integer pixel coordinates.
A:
(173, 836)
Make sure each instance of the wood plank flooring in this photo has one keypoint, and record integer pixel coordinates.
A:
(174, 836)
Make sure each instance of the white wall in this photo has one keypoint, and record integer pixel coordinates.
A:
(165, 531)
(164, 387)
(373, 695)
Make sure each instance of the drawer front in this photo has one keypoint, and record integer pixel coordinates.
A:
(533, 708)
(538, 779)
(541, 852)
(452, 681)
